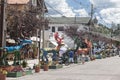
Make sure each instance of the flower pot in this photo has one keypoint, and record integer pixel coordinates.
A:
(2, 76)
(45, 67)
(37, 69)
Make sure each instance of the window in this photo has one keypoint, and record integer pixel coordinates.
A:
(61, 28)
(34, 2)
(47, 28)
(53, 29)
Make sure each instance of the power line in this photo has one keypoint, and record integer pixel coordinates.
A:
(54, 9)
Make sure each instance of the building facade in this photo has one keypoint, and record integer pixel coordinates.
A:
(59, 24)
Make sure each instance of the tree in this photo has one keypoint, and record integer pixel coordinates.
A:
(23, 23)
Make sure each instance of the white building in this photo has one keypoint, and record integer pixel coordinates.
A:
(58, 24)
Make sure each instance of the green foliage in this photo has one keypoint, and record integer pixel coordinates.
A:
(24, 64)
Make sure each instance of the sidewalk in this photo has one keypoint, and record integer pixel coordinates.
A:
(42, 73)
(100, 69)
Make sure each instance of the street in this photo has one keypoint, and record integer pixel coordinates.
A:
(99, 69)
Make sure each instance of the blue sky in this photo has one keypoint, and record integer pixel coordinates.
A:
(106, 11)
(79, 4)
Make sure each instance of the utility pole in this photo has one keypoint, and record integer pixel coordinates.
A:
(43, 23)
(91, 12)
(2, 26)
(90, 27)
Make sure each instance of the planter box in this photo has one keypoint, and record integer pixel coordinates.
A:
(56, 66)
(28, 72)
(98, 57)
(14, 74)
(86, 59)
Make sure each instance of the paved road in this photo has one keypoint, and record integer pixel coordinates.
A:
(100, 69)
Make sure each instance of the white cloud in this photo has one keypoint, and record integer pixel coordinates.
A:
(116, 2)
(111, 15)
(81, 12)
(62, 7)
(109, 10)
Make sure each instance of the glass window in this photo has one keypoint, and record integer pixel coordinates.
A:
(61, 28)
(53, 29)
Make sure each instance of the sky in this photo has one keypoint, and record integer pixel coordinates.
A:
(106, 11)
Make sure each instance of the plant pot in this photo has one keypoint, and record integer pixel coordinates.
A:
(2, 76)
(37, 69)
(45, 67)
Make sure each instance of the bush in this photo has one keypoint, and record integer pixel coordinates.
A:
(24, 64)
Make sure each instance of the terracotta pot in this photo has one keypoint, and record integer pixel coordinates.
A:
(2, 76)
(37, 69)
(45, 67)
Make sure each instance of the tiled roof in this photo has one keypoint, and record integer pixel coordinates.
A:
(17, 1)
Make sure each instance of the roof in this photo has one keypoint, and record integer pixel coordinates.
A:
(69, 20)
(17, 1)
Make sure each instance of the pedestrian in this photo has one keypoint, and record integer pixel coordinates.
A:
(71, 56)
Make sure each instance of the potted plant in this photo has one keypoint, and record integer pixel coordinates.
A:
(24, 64)
(37, 68)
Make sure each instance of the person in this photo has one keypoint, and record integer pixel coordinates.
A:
(71, 56)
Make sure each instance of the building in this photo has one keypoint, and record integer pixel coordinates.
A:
(59, 24)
